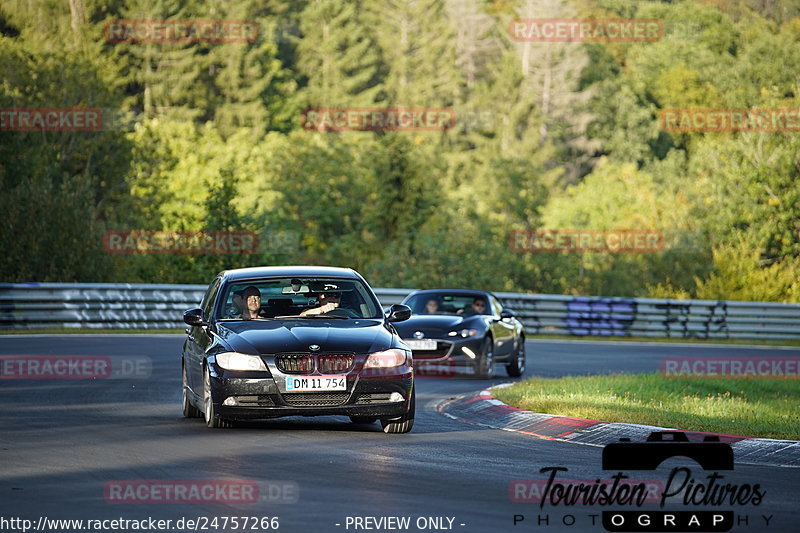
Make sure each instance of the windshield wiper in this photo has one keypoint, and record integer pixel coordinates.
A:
(310, 316)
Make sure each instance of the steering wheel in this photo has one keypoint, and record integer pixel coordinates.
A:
(343, 311)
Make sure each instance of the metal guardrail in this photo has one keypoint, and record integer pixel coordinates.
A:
(95, 305)
(654, 317)
(102, 305)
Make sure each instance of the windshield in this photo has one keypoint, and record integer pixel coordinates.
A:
(443, 303)
(278, 298)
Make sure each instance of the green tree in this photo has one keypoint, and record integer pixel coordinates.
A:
(338, 56)
(419, 47)
(59, 187)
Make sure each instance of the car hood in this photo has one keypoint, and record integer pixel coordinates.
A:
(437, 326)
(296, 335)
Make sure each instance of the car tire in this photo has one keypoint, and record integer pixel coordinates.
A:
(189, 410)
(363, 419)
(484, 363)
(516, 367)
(404, 423)
(213, 420)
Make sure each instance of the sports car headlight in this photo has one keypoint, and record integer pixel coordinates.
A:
(463, 333)
(386, 359)
(240, 361)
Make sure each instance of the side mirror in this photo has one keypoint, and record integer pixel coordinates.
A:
(194, 317)
(398, 313)
(506, 313)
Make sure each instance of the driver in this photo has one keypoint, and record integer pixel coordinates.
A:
(478, 307)
(328, 301)
(250, 303)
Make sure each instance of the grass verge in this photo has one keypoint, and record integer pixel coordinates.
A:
(748, 407)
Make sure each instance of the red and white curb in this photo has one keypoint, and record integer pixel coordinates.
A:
(483, 409)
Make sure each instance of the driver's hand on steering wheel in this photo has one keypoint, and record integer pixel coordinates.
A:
(327, 308)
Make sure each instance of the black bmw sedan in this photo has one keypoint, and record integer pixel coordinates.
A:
(466, 329)
(286, 341)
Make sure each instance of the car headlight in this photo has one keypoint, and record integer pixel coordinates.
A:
(240, 361)
(386, 359)
(463, 333)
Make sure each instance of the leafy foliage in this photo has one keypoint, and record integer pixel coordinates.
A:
(208, 136)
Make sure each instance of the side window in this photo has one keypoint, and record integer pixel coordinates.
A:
(496, 307)
(208, 299)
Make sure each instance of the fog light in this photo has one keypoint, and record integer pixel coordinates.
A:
(396, 397)
(469, 352)
(230, 400)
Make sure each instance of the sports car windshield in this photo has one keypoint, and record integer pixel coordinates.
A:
(443, 303)
(310, 298)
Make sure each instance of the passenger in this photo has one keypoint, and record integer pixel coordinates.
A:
(432, 307)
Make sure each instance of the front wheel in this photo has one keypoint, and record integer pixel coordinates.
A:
(213, 420)
(517, 365)
(404, 423)
(484, 362)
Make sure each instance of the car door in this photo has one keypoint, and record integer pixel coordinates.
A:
(503, 330)
(198, 339)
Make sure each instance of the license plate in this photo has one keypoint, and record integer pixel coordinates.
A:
(315, 383)
(424, 344)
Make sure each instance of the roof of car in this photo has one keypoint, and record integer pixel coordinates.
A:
(294, 271)
(452, 291)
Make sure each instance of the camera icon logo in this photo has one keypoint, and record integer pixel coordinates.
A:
(711, 454)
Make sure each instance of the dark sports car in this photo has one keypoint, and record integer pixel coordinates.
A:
(287, 341)
(463, 329)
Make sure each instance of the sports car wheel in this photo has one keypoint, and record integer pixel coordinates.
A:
(212, 418)
(517, 365)
(484, 362)
(404, 423)
(189, 410)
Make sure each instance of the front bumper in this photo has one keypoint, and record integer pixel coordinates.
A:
(460, 352)
(259, 396)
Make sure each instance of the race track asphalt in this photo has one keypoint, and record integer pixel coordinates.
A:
(63, 441)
